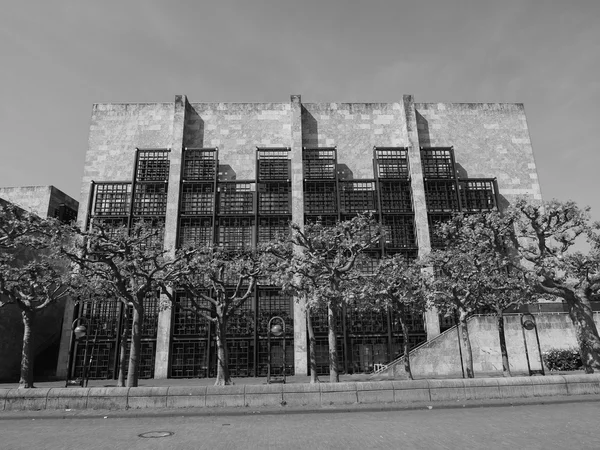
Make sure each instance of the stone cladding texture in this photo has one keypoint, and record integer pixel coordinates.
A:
(489, 139)
(355, 128)
(237, 129)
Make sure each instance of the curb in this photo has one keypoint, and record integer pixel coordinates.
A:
(403, 393)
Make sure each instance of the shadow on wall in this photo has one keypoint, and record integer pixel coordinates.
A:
(194, 129)
(226, 173)
(310, 129)
(423, 131)
(344, 172)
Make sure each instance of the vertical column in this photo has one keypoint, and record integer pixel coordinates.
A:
(163, 336)
(300, 344)
(432, 321)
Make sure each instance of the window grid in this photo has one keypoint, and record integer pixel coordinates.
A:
(150, 199)
(188, 323)
(199, 165)
(319, 164)
(189, 359)
(197, 199)
(320, 198)
(441, 196)
(392, 163)
(235, 233)
(357, 196)
(153, 165)
(112, 199)
(195, 232)
(399, 231)
(236, 198)
(395, 197)
(270, 228)
(437, 163)
(271, 302)
(241, 357)
(478, 195)
(274, 198)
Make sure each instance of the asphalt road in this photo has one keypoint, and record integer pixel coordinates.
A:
(550, 426)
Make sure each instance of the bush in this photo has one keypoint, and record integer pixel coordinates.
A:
(562, 359)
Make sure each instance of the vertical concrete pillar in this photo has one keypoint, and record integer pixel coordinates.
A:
(163, 337)
(300, 343)
(432, 322)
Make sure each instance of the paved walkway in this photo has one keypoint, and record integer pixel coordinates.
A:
(151, 382)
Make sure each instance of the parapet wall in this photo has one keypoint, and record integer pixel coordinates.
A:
(299, 395)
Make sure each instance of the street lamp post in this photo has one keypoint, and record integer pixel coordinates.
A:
(277, 329)
(80, 331)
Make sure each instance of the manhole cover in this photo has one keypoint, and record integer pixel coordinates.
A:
(156, 434)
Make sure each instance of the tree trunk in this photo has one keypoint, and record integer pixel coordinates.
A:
(223, 377)
(136, 344)
(26, 380)
(123, 361)
(312, 351)
(503, 350)
(406, 343)
(334, 376)
(586, 331)
(465, 343)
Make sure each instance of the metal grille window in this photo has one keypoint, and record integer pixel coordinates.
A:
(150, 199)
(320, 198)
(274, 198)
(434, 220)
(478, 195)
(392, 163)
(437, 163)
(319, 164)
(326, 221)
(367, 322)
(195, 232)
(441, 196)
(368, 351)
(199, 164)
(186, 322)
(368, 263)
(197, 199)
(149, 325)
(273, 165)
(241, 357)
(102, 360)
(357, 196)
(189, 359)
(271, 302)
(236, 198)
(399, 231)
(112, 199)
(270, 228)
(103, 317)
(395, 197)
(276, 357)
(152, 165)
(235, 233)
(414, 322)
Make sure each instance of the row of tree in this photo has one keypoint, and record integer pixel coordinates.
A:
(490, 262)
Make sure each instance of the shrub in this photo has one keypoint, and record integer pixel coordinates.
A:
(562, 359)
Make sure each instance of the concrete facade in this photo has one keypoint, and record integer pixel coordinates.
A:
(489, 141)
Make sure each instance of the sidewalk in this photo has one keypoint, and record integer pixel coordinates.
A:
(294, 379)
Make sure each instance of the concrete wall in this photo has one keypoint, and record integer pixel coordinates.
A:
(440, 356)
(321, 395)
(489, 140)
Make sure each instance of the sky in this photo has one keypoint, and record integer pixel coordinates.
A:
(59, 57)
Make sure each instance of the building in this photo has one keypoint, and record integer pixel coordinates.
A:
(235, 174)
(44, 201)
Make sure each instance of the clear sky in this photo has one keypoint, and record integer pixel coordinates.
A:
(59, 57)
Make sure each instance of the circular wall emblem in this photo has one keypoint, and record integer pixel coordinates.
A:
(156, 434)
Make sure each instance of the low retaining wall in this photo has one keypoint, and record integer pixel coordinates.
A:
(295, 395)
